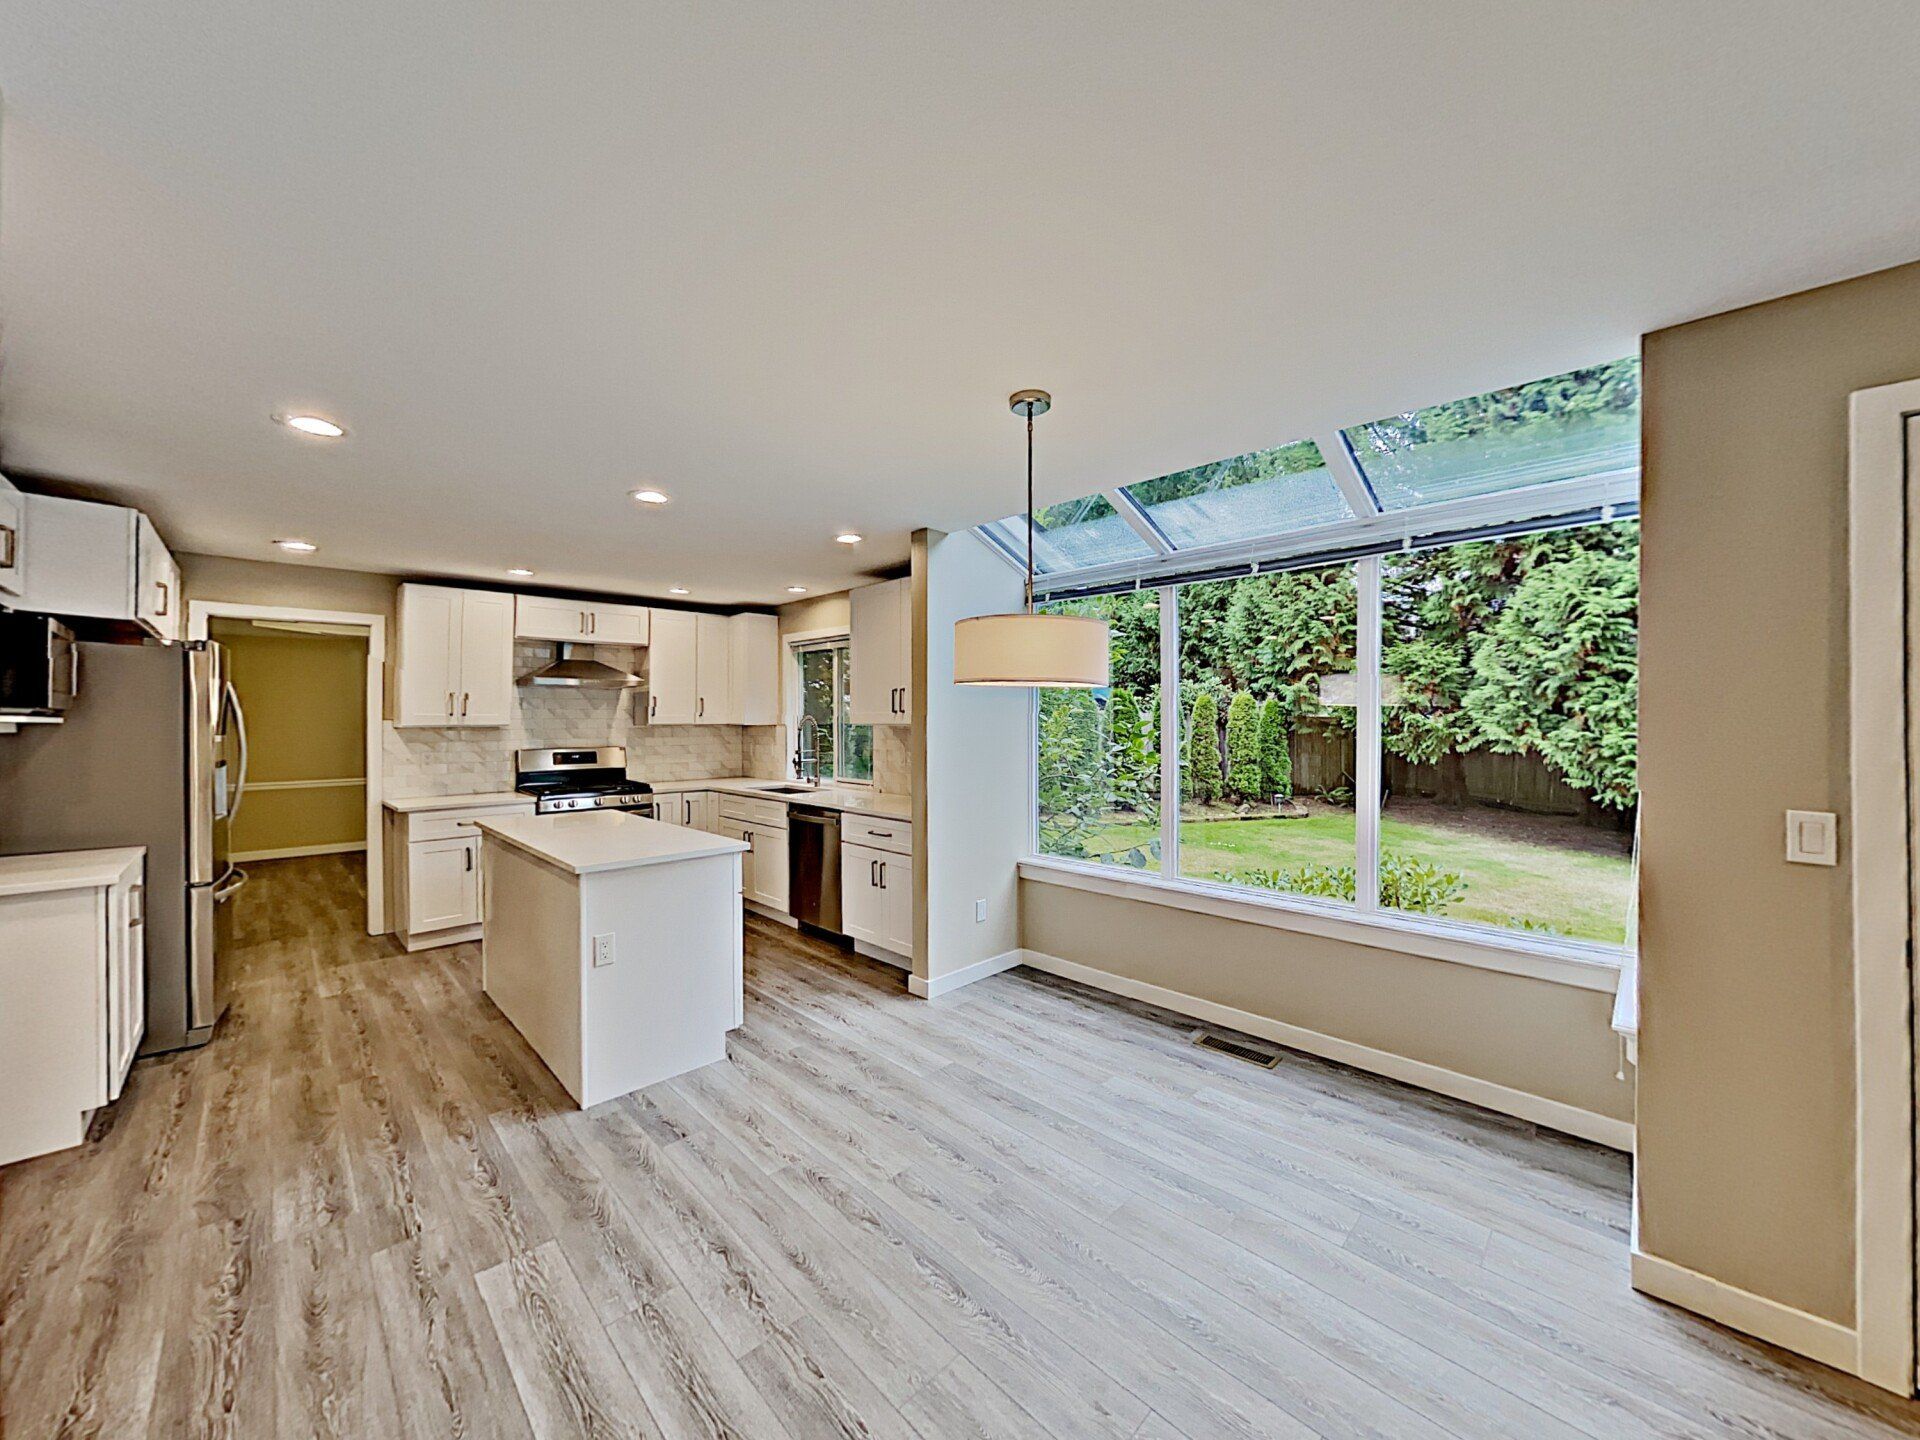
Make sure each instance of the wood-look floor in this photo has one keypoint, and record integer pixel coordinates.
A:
(1027, 1210)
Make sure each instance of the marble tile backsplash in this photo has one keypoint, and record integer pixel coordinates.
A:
(465, 761)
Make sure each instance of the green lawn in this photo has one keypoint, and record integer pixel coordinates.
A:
(1547, 871)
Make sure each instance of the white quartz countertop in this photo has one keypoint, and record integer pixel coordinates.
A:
(66, 870)
(408, 804)
(589, 842)
(863, 802)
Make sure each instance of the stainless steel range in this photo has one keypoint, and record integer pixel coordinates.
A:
(592, 777)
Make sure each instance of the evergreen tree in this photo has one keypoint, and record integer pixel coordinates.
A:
(1129, 747)
(1276, 754)
(1203, 750)
(1243, 747)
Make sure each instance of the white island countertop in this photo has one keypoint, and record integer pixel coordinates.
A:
(590, 842)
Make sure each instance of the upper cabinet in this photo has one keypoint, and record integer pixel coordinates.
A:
(755, 661)
(13, 539)
(881, 646)
(713, 669)
(542, 617)
(455, 664)
(101, 562)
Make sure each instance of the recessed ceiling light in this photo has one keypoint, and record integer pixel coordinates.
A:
(678, 590)
(297, 547)
(317, 425)
(649, 497)
(520, 572)
(847, 537)
(796, 589)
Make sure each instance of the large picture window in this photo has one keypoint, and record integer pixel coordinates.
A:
(1438, 729)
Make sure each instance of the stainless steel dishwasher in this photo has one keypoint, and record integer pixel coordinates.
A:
(813, 867)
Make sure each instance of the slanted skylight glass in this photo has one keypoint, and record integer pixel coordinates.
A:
(1586, 422)
(1072, 536)
(1267, 492)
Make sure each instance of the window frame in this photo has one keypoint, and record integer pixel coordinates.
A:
(1583, 964)
(794, 698)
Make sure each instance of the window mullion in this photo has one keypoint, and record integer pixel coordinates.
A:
(1366, 739)
(1169, 731)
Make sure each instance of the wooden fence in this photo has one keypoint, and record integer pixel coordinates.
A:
(1323, 760)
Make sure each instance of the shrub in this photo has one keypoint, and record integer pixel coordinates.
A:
(1072, 785)
(1203, 750)
(1243, 748)
(1276, 754)
(1416, 886)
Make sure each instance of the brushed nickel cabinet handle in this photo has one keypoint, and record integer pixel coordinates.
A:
(469, 855)
(11, 555)
(449, 704)
(137, 905)
(464, 697)
(166, 597)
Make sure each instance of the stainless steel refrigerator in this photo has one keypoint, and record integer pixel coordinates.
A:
(153, 753)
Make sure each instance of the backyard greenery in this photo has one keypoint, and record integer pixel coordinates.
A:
(1523, 646)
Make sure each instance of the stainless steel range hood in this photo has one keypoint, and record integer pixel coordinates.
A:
(577, 668)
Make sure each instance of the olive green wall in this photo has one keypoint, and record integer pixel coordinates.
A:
(305, 702)
(1746, 1079)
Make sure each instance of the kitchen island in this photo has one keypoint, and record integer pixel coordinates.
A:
(613, 944)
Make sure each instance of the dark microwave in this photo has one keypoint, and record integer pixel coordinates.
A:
(39, 665)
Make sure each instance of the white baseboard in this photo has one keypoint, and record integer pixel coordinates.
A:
(1818, 1339)
(295, 852)
(779, 917)
(1554, 1114)
(938, 985)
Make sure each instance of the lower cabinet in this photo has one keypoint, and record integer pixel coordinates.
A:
(434, 873)
(876, 898)
(443, 883)
(692, 808)
(72, 991)
(763, 869)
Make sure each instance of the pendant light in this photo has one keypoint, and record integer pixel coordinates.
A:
(1029, 649)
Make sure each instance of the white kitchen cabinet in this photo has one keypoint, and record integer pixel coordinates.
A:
(544, 617)
(72, 996)
(754, 642)
(880, 649)
(455, 665)
(713, 670)
(100, 562)
(876, 898)
(443, 889)
(13, 538)
(763, 872)
(673, 695)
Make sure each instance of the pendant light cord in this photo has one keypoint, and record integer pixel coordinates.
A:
(1029, 507)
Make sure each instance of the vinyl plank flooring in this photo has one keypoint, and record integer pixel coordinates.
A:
(1028, 1210)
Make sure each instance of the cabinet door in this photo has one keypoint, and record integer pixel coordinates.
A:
(861, 905)
(878, 687)
(443, 884)
(713, 657)
(540, 617)
(486, 658)
(156, 581)
(755, 644)
(617, 624)
(427, 686)
(126, 980)
(896, 904)
(769, 868)
(734, 830)
(13, 538)
(673, 697)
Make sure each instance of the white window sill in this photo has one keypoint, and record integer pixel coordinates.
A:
(1580, 964)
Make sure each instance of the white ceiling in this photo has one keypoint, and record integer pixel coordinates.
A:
(785, 260)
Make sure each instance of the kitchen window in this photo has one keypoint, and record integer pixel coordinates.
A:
(845, 750)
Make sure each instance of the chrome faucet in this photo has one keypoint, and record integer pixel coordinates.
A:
(806, 757)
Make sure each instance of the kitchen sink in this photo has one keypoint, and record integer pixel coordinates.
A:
(788, 789)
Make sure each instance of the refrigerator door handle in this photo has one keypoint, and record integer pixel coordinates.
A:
(228, 883)
(240, 729)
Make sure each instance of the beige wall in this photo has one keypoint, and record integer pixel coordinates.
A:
(1746, 1091)
(305, 701)
(263, 582)
(971, 757)
(1549, 1040)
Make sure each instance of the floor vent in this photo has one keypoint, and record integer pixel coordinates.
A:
(1207, 1040)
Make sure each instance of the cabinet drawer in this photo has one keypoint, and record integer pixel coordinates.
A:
(455, 824)
(877, 832)
(770, 813)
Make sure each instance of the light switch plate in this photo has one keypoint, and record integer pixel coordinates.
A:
(602, 950)
(979, 912)
(1813, 837)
